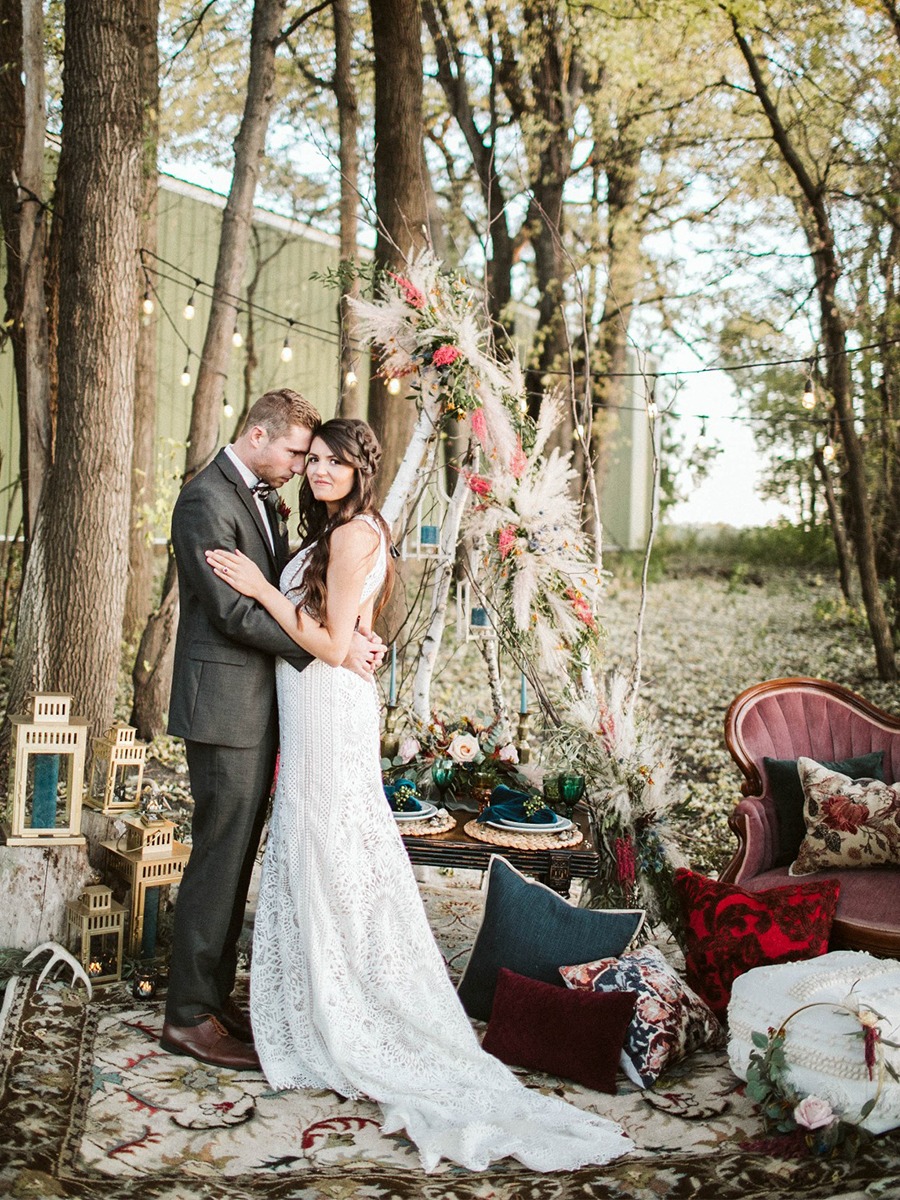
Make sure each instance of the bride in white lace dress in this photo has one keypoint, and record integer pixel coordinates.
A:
(348, 989)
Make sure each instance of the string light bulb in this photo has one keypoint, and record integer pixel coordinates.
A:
(189, 309)
(809, 395)
(703, 429)
(227, 410)
(147, 303)
(393, 385)
(186, 375)
(828, 452)
(236, 340)
(351, 379)
(286, 352)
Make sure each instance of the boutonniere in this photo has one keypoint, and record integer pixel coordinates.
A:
(282, 509)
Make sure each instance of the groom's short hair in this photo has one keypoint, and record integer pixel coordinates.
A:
(281, 409)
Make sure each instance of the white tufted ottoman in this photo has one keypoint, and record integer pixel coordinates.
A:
(824, 1060)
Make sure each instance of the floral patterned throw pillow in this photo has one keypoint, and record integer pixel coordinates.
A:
(670, 1020)
(849, 822)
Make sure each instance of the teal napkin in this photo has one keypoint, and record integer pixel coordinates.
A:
(507, 804)
(407, 800)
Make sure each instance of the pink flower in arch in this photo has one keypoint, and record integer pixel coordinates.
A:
(411, 293)
(479, 426)
(518, 462)
(478, 484)
(445, 355)
(506, 539)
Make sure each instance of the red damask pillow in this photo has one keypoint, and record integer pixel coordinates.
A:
(729, 931)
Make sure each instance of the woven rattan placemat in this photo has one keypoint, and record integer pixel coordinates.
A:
(525, 841)
(439, 823)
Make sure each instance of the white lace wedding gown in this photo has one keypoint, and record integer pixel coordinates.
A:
(348, 988)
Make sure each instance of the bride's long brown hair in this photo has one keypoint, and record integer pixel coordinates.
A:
(352, 442)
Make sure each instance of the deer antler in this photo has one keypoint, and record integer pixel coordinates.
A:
(59, 955)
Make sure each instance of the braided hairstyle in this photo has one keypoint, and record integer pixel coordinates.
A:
(352, 442)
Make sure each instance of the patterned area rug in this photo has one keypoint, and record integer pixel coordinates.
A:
(91, 1107)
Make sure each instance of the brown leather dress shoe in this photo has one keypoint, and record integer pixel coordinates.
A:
(210, 1042)
(236, 1021)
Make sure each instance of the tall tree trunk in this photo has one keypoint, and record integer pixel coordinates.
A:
(820, 237)
(73, 593)
(400, 194)
(23, 215)
(451, 73)
(153, 665)
(139, 597)
(350, 394)
(841, 546)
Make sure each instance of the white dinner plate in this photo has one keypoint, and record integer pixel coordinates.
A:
(557, 826)
(427, 810)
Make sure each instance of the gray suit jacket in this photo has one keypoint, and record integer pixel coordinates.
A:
(223, 683)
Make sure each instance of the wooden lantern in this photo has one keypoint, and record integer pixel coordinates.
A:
(95, 933)
(47, 778)
(117, 771)
(150, 859)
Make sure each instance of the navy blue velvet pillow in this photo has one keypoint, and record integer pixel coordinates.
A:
(529, 929)
(786, 790)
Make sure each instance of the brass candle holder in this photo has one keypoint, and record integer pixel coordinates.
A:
(522, 737)
(390, 739)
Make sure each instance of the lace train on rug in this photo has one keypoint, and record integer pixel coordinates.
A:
(91, 1107)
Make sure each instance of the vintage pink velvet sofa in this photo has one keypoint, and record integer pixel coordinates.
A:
(787, 718)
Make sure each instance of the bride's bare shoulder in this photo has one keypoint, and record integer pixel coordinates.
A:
(358, 538)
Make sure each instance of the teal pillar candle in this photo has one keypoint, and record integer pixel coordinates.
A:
(151, 923)
(46, 791)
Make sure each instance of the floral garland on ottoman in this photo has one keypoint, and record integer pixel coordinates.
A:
(786, 1111)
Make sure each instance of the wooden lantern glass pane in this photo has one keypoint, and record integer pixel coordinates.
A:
(48, 791)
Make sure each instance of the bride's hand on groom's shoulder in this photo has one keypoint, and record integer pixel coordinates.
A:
(237, 570)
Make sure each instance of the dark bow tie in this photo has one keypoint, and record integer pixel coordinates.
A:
(262, 489)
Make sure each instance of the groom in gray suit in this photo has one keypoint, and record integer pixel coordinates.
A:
(223, 704)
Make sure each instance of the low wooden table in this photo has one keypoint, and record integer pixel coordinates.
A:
(556, 868)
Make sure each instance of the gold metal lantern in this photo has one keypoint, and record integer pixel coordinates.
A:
(118, 770)
(95, 932)
(150, 860)
(46, 783)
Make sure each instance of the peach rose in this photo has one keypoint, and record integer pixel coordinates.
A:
(463, 748)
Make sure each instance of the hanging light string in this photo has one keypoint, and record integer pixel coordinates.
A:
(201, 287)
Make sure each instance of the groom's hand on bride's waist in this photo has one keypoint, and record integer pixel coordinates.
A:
(365, 654)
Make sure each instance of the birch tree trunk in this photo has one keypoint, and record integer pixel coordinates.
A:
(73, 592)
(153, 666)
(440, 594)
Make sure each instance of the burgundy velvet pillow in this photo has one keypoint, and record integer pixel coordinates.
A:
(575, 1034)
(729, 931)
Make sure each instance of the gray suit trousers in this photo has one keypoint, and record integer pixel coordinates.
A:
(230, 786)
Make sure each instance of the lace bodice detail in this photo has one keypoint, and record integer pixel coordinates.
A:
(292, 575)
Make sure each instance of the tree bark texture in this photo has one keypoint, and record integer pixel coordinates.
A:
(73, 593)
(154, 656)
(400, 191)
(24, 218)
(350, 402)
(139, 597)
(823, 252)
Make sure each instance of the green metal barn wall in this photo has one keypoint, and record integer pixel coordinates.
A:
(189, 224)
